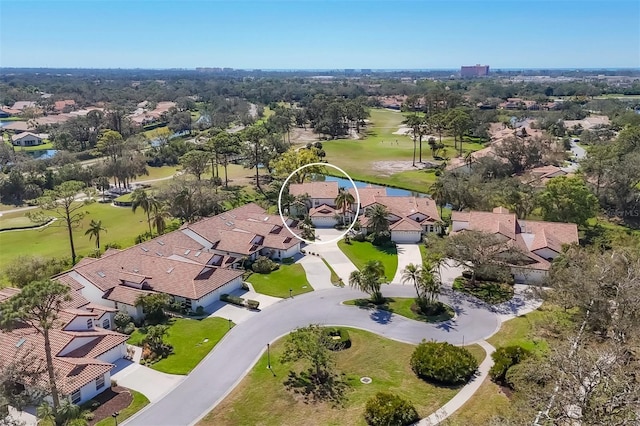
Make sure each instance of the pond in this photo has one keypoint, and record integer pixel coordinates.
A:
(392, 192)
(42, 154)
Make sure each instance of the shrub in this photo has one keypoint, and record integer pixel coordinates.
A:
(386, 409)
(129, 328)
(232, 299)
(252, 304)
(343, 340)
(121, 320)
(264, 265)
(504, 358)
(141, 238)
(359, 237)
(199, 311)
(380, 239)
(443, 363)
(245, 286)
(288, 260)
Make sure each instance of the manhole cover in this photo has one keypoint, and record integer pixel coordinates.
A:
(366, 380)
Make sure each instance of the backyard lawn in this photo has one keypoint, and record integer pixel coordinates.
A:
(52, 241)
(402, 306)
(42, 147)
(278, 283)
(361, 252)
(188, 339)
(261, 398)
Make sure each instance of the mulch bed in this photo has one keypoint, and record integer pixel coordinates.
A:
(114, 399)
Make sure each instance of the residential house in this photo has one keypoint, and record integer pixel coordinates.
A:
(321, 201)
(539, 176)
(26, 139)
(21, 105)
(540, 242)
(64, 106)
(84, 348)
(193, 265)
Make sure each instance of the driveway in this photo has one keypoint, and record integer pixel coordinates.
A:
(332, 253)
(407, 253)
(238, 314)
(449, 272)
(151, 383)
(225, 366)
(318, 274)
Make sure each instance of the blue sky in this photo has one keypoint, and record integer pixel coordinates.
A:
(320, 34)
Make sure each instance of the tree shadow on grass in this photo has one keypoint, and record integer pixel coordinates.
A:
(329, 388)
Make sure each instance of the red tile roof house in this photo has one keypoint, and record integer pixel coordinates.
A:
(83, 346)
(540, 241)
(409, 217)
(194, 265)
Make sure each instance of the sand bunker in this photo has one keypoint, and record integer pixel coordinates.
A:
(388, 168)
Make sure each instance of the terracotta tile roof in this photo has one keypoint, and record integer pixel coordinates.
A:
(406, 225)
(77, 373)
(124, 294)
(8, 292)
(407, 206)
(493, 223)
(552, 235)
(20, 105)
(368, 195)
(87, 260)
(322, 211)
(103, 343)
(315, 189)
(23, 134)
(108, 252)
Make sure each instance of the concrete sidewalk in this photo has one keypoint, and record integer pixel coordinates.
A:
(332, 253)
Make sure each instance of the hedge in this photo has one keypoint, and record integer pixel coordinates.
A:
(252, 304)
(232, 299)
(443, 363)
(504, 359)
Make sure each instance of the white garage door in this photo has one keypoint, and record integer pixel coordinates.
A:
(405, 237)
(324, 222)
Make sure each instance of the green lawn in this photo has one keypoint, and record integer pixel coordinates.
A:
(159, 172)
(402, 306)
(138, 403)
(15, 220)
(278, 283)
(261, 397)
(188, 339)
(44, 146)
(121, 223)
(335, 279)
(488, 402)
(361, 252)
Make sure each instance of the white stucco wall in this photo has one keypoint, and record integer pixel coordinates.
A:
(458, 225)
(406, 236)
(215, 295)
(114, 354)
(89, 390)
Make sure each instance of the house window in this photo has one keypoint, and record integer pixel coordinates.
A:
(89, 323)
(100, 382)
(75, 396)
(106, 324)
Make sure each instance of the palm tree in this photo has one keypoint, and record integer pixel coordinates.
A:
(378, 218)
(369, 280)
(430, 284)
(139, 198)
(414, 122)
(344, 200)
(160, 213)
(413, 273)
(95, 227)
(439, 194)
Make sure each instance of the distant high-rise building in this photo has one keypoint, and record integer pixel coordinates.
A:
(474, 71)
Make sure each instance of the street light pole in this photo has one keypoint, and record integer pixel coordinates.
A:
(230, 323)
(268, 357)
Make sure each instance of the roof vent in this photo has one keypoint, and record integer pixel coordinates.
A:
(136, 270)
(197, 253)
(159, 254)
(187, 252)
(170, 270)
(20, 342)
(266, 218)
(161, 242)
(144, 249)
(101, 274)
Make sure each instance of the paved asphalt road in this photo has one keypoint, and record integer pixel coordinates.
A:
(235, 355)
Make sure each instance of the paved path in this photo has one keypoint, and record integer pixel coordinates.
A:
(465, 393)
(407, 253)
(225, 366)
